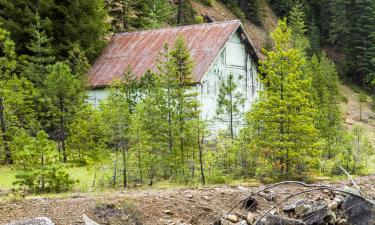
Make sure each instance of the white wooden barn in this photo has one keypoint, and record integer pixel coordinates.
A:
(218, 50)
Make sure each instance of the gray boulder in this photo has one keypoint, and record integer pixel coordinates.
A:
(34, 221)
(358, 211)
(319, 213)
(278, 220)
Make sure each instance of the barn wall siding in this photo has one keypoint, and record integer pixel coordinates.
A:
(232, 58)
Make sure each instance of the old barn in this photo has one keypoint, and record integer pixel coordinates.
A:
(218, 50)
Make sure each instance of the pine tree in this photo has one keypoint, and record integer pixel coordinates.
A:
(229, 102)
(325, 90)
(182, 72)
(339, 22)
(39, 164)
(297, 23)
(281, 122)
(124, 13)
(41, 54)
(86, 142)
(116, 112)
(64, 94)
(7, 65)
(156, 13)
(361, 46)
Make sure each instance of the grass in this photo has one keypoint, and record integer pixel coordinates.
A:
(7, 177)
(83, 176)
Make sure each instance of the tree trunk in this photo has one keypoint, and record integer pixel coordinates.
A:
(124, 170)
(179, 12)
(8, 154)
(42, 164)
(139, 159)
(62, 132)
(200, 145)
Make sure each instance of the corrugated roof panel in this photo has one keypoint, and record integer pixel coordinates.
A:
(140, 50)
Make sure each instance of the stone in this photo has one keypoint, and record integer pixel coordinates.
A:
(242, 222)
(358, 211)
(338, 200)
(319, 213)
(250, 218)
(278, 220)
(88, 221)
(168, 212)
(301, 209)
(34, 221)
(333, 205)
(342, 222)
(350, 190)
(232, 218)
(331, 219)
(290, 208)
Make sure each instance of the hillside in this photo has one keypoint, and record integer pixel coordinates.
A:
(259, 36)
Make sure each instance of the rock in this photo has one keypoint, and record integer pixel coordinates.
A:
(232, 218)
(278, 220)
(250, 218)
(358, 211)
(301, 209)
(342, 222)
(338, 200)
(331, 219)
(243, 222)
(318, 214)
(290, 208)
(333, 205)
(351, 190)
(168, 212)
(88, 221)
(34, 221)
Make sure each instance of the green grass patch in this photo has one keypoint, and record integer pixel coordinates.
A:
(7, 177)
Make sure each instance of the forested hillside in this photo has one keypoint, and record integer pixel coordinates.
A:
(148, 130)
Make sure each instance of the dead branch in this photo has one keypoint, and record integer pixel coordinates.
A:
(314, 187)
(311, 190)
(351, 180)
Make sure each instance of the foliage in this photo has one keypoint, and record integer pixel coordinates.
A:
(229, 102)
(66, 23)
(39, 164)
(281, 123)
(64, 97)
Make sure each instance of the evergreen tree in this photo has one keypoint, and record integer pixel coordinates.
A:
(281, 122)
(66, 22)
(361, 46)
(64, 95)
(39, 164)
(86, 142)
(7, 65)
(124, 14)
(339, 22)
(326, 93)
(229, 102)
(41, 54)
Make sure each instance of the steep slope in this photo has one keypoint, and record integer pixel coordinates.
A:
(258, 35)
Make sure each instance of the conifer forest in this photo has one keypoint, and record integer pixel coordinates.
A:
(149, 129)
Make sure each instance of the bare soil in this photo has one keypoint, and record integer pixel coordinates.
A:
(171, 206)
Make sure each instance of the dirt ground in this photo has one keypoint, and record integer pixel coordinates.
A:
(175, 206)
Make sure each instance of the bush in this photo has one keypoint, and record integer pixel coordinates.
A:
(208, 2)
(44, 181)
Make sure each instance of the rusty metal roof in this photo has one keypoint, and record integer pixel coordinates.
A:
(140, 50)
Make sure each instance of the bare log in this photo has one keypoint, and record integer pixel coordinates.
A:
(351, 179)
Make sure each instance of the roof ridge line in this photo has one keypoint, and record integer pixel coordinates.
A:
(176, 27)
